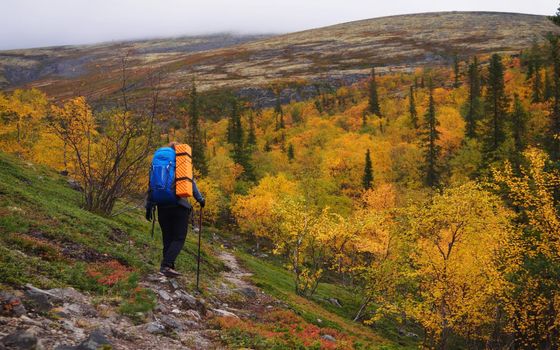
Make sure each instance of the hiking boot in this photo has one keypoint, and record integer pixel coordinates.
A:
(169, 272)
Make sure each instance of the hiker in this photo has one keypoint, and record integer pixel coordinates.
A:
(173, 220)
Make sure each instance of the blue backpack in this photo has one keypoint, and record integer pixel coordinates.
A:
(162, 177)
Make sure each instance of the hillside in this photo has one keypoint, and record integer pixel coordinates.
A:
(337, 54)
(68, 277)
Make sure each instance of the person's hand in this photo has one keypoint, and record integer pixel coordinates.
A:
(202, 203)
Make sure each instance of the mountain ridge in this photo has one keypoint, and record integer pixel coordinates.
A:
(338, 54)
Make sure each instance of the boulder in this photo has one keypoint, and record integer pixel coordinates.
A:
(248, 292)
(94, 341)
(21, 339)
(40, 300)
(224, 313)
(171, 323)
(328, 337)
(155, 328)
(69, 295)
(10, 305)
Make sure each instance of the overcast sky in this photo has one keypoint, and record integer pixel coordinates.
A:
(35, 23)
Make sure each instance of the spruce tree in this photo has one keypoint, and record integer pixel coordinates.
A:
(547, 90)
(251, 137)
(519, 125)
(367, 179)
(536, 97)
(496, 104)
(412, 109)
(240, 153)
(456, 71)
(431, 148)
(553, 135)
(373, 98)
(278, 114)
(195, 136)
(290, 152)
(473, 110)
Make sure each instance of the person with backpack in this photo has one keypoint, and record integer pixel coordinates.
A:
(173, 212)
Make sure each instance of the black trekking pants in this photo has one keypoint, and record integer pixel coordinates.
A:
(174, 222)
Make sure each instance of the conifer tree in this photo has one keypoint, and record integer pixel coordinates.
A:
(473, 110)
(367, 179)
(553, 137)
(412, 109)
(547, 90)
(496, 104)
(519, 125)
(195, 136)
(267, 147)
(537, 95)
(278, 114)
(240, 153)
(456, 71)
(373, 98)
(290, 152)
(430, 138)
(251, 137)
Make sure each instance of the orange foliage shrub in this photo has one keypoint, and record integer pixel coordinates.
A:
(108, 273)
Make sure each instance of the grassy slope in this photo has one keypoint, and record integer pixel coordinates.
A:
(279, 282)
(42, 227)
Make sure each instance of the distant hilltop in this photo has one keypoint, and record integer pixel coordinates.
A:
(342, 52)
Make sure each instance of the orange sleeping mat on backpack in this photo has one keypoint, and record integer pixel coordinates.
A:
(183, 171)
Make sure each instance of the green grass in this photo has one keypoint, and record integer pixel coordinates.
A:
(47, 239)
(277, 281)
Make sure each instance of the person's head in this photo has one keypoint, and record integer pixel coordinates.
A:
(172, 144)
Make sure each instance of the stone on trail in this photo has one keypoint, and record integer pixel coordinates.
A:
(41, 300)
(10, 305)
(328, 337)
(21, 340)
(95, 341)
(155, 328)
(224, 313)
(164, 295)
(248, 292)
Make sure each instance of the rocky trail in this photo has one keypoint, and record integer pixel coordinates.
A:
(65, 319)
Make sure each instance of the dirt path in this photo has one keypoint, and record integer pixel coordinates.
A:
(182, 319)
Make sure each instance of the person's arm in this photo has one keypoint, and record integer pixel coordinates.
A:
(197, 195)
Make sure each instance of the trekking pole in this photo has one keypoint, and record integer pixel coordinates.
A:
(198, 256)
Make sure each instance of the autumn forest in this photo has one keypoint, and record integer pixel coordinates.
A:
(432, 194)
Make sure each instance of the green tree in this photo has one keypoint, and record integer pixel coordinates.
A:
(474, 106)
(537, 84)
(456, 72)
(519, 118)
(547, 90)
(240, 153)
(195, 136)
(251, 137)
(431, 148)
(373, 98)
(278, 114)
(412, 108)
(496, 104)
(367, 179)
(290, 152)
(553, 137)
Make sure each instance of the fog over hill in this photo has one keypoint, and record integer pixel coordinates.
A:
(338, 54)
